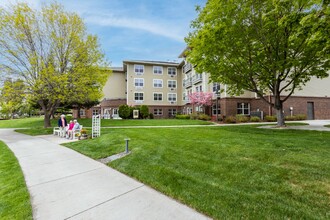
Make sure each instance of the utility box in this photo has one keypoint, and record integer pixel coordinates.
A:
(135, 114)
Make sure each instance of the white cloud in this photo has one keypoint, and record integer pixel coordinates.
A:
(158, 28)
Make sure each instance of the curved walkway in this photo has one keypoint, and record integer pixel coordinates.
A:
(64, 184)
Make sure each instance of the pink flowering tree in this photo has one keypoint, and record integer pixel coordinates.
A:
(201, 99)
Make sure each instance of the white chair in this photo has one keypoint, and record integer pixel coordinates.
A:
(57, 131)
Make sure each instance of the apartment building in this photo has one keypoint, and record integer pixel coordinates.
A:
(156, 84)
(165, 87)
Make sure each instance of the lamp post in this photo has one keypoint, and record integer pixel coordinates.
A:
(216, 104)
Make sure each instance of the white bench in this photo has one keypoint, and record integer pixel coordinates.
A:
(76, 132)
(57, 131)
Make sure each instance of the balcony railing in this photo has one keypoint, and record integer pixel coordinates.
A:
(187, 67)
(197, 78)
(187, 82)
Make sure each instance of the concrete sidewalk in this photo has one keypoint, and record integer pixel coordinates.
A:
(64, 184)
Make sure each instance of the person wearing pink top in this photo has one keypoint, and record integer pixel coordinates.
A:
(69, 131)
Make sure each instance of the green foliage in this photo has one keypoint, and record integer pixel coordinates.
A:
(270, 118)
(15, 198)
(204, 117)
(51, 50)
(151, 116)
(296, 117)
(255, 119)
(12, 99)
(272, 47)
(230, 119)
(194, 116)
(179, 116)
(301, 117)
(125, 111)
(290, 118)
(144, 111)
(241, 118)
(227, 172)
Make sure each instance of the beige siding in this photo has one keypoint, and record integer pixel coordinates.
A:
(148, 88)
(315, 88)
(115, 86)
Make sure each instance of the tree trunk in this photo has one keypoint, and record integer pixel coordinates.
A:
(279, 112)
(47, 119)
(78, 112)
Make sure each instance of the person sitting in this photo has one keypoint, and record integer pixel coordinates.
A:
(76, 127)
(62, 125)
(70, 127)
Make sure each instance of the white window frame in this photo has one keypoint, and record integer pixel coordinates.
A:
(95, 112)
(168, 71)
(82, 112)
(242, 106)
(138, 79)
(170, 95)
(158, 70)
(172, 111)
(158, 111)
(153, 83)
(138, 99)
(157, 93)
(168, 84)
(216, 88)
(138, 69)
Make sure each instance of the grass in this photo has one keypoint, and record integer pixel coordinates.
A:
(37, 123)
(14, 196)
(227, 172)
(328, 126)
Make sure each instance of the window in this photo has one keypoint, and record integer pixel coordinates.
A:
(95, 112)
(214, 110)
(216, 88)
(158, 111)
(158, 70)
(172, 112)
(139, 82)
(171, 84)
(197, 89)
(138, 96)
(115, 111)
(138, 69)
(171, 97)
(243, 108)
(82, 112)
(158, 96)
(158, 83)
(171, 71)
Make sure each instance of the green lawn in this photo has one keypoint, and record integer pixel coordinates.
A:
(236, 172)
(37, 123)
(14, 196)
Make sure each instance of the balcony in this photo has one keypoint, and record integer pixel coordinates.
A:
(197, 78)
(187, 83)
(187, 67)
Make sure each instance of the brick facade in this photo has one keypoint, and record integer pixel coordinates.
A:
(298, 105)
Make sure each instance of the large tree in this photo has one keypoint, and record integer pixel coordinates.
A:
(51, 51)
(265, 46)
(12, 98)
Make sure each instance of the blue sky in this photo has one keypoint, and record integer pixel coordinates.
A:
(134, 30)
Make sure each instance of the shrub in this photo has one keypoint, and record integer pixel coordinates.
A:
(179, 116)
(151, 116)
(204, 117)
(144, 111)
(270, 118)
(290, 118)
(242, 118)
(194, 116)
(230, 119)
(255, 119)
(301, 117)
(125, 111)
